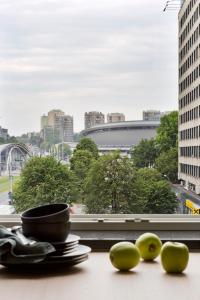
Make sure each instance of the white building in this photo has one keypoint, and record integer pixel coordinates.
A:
(189, 95)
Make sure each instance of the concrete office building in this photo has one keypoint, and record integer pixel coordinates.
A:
(68, 128)
(3, 133)
(43, 122)
(189, 95)
(151, 115)
(93, 118)
(57, 124)
(154, 115)
(54, 117)
(115, 117)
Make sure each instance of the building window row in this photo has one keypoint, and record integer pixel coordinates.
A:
(189, 43)
(186, 13)
(189, 79)
(190, 115)
(190, 170)
(190, 97)
(192, 151)
(190, 61)
(190, 133)
(190, 24)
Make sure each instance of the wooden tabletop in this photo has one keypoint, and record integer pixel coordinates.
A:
(96, 279)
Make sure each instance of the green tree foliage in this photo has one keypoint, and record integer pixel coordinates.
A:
(88, 144)
(80, 164)
(144, 154)
(167, 164)
(154, 193)
(167, 133)
(44, 180)
(109, 186)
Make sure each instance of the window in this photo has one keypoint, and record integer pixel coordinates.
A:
(73, 70)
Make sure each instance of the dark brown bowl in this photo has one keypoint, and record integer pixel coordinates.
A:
(48, 232)
(47, 223)
(50, 213)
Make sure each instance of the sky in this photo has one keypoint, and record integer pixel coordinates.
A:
(85, 55)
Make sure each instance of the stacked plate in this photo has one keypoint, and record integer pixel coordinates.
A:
(69, 252)
(66, 254)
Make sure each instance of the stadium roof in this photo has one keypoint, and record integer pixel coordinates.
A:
(126, 124)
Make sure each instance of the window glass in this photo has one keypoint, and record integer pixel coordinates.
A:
(89, 106)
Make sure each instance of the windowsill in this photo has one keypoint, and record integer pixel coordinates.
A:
(100, 232)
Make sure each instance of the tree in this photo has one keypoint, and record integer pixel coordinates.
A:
(167, 132)
(160, 199)
(88, 144)
(109, 186)
(154, 193)
(144, 154)
(167, 164)
(44, 180)
(80, 164)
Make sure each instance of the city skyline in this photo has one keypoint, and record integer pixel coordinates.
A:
(44, 123)
(106, 56)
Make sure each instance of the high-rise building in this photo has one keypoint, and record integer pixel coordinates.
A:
(189, 95)
(57, 126)
(53, 117)
(151, 115)
(115, 117)
(93, 118)
(43, 121)
(154, 115)
(68, 128)
(3, 133)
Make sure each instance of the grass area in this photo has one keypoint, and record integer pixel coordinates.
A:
(4, 183)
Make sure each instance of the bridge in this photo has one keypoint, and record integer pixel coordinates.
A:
(12, 157)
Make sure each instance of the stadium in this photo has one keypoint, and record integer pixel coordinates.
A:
(122, 135)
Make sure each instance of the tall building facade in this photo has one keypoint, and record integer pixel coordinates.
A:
(93, 118)
(151, 115)
(57, 126)
(68, 128)
(115, 117)
(3, 133)
(189, 95)
(53, 117)
(43, 122)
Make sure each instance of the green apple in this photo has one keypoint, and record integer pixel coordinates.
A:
(149, 245)
(124, 256)
(174, 257)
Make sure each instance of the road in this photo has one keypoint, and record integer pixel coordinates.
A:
(183, 194)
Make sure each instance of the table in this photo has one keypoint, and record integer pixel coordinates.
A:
(96, 279)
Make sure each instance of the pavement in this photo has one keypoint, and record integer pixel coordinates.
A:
(4, 198)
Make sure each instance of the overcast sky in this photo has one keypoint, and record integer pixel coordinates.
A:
(84, 55)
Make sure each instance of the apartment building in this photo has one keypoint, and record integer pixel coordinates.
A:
(3, 133)
(115, 117)
(58, 126)
(93, 118)
(189, 95)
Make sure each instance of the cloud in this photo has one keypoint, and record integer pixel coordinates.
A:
(79, 55)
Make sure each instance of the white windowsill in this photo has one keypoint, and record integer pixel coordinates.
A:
(122, 222)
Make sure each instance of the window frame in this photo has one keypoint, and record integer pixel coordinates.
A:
(127, 222)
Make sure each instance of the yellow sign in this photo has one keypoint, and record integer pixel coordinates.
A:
(195, 211)
(189, 204)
